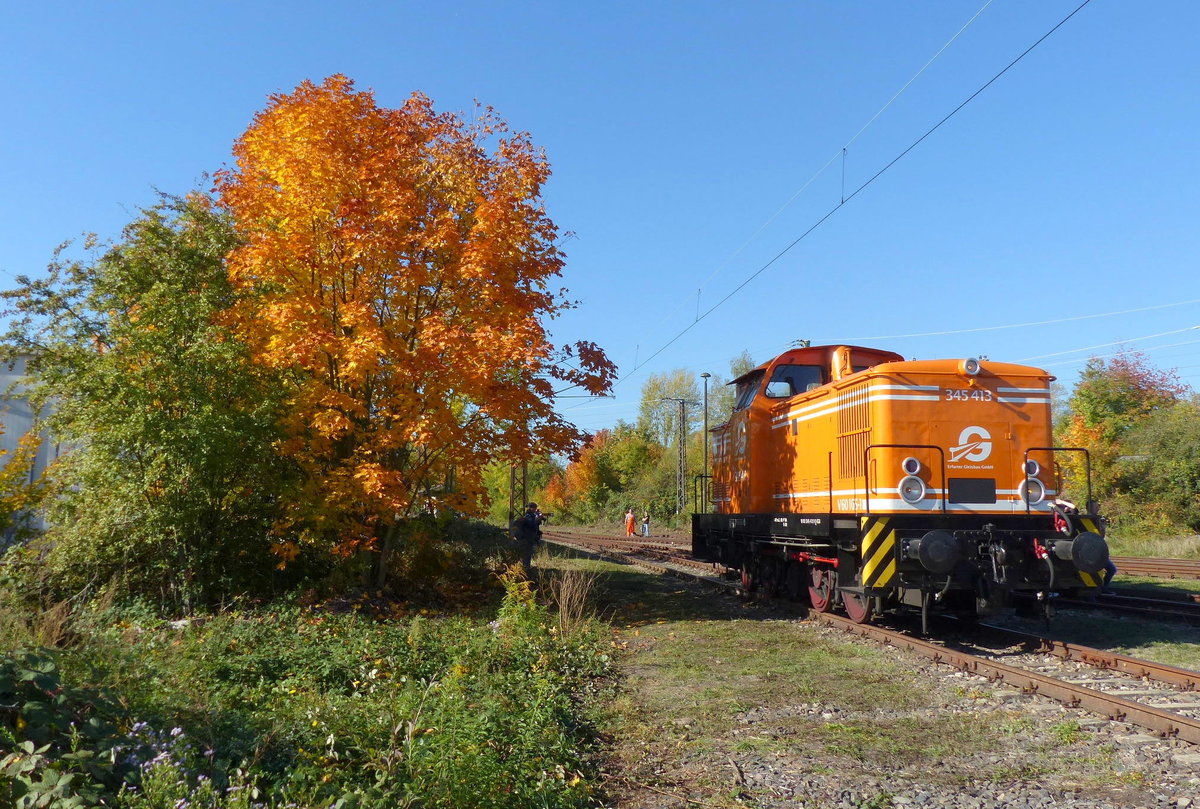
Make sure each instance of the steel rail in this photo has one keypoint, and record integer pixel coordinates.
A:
(1164, 568)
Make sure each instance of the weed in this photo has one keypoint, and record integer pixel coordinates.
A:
(1149, 541)
(884, 800)
(1016, 725)
(571, 592)
(1025, 771)
(1132, 777)
(1068, 731)
(755, 744)
(66, 749)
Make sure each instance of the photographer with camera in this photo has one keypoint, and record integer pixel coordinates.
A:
(527, 530)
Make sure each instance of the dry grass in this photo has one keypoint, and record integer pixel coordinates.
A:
(29, 617)
(50, 626)
(1174, 547)
(572, 592)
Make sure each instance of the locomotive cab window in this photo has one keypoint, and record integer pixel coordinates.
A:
(788, 380)
(746, 388)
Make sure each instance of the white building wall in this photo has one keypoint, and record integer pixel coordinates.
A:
(17, 419)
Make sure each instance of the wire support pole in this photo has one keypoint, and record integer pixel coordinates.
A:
(681, 473)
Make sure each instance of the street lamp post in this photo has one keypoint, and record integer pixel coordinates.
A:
(704, 469)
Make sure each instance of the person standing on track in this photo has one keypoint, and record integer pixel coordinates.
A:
(1110, 570)
(630, 521)
(646, 524)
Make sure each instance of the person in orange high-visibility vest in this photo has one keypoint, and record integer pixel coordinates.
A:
(629, 523)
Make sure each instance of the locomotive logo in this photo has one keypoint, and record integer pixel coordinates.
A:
(974, 444)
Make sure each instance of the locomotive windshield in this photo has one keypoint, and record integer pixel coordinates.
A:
(788, 380)
(746, 387)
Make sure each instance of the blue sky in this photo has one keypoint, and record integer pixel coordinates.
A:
(686, 138)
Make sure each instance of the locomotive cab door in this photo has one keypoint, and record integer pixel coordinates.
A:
(739, 443)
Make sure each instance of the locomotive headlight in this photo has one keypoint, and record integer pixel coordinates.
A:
(911, 466)
(970, 366)
(1031, 491)
(1032, 468)
(911, 489)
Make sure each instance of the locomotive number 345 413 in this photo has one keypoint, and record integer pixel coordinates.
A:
(957, 395)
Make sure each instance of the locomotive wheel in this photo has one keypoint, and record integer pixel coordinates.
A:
(772, 578)
(821, 588)
(794, 583)
(749, 580)
(858, 607)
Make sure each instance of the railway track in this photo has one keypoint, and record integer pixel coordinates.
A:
(1131, 565)
(1143, 693)
(1158, 568)
(1161, 609)
(1161, 698)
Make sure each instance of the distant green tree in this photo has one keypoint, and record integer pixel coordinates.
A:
(1113, 398)
(654, 491)
(499, 478)
(1114, 395)
(658, 413)
(637, 465)
(172, 483)
(1162, 460)
(585, 490)
(741, 364)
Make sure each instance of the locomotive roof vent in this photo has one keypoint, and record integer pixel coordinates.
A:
(970, 366)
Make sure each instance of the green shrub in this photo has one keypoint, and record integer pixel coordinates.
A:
(313, 707)
(66, 747)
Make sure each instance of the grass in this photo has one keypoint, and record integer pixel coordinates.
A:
(1155, 587)
(1154, 546)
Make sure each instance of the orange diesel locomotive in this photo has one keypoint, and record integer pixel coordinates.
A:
(859, 478)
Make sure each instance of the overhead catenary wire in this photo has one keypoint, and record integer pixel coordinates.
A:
(1028, 324)
(841, 204)
(775, 349)
(1057, 364)
(1108, 345)
(840, 153)
(1079, 360)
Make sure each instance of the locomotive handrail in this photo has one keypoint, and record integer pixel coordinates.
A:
(700, 492)
(1087, 462)
(867, 465)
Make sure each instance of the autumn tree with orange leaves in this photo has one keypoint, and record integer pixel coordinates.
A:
(399, 268)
